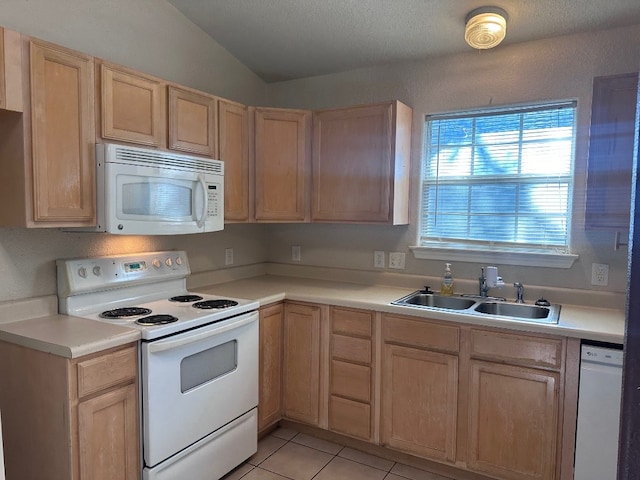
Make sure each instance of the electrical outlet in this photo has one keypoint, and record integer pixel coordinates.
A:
(228, 256)
(600, 274)
(378, 259)
(295, 253)
(396, 260)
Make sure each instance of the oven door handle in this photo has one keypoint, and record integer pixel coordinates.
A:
(195, 336)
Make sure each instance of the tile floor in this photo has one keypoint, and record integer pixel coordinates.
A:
(289, 455)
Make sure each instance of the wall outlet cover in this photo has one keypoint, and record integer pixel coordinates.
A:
(600, 274)
(296, 255)
(378, 259)
(396, 260)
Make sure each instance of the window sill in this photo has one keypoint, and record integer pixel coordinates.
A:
(524, 259)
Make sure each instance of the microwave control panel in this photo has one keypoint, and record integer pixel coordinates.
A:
(214, 204)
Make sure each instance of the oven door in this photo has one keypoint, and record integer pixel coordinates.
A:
(195, 382)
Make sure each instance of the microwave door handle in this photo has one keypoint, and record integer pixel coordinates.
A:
(205, 202)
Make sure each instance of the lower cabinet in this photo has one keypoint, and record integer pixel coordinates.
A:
(270, 389)
(73, 419)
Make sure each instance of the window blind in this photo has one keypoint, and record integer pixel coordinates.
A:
(499, 179)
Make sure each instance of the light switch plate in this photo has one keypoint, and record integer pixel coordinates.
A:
(378, 259)
(296, 255)
(600, 274)
(396, 260)
(228, 256)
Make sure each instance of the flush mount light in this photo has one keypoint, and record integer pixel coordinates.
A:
(485, 27)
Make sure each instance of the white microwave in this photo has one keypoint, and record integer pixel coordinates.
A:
(151, 192)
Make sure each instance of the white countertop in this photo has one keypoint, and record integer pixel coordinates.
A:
(74, 337)
(599, 324)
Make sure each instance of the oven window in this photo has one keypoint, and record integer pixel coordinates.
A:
(156, 199)
(202, 367)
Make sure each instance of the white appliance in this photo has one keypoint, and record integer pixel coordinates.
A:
(598, 413)
(150, 192)
(198, 359)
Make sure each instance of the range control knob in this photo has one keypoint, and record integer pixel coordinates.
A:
(156, 263)
(168, 262)
(82, 272)
(97, 271)
(178, 261)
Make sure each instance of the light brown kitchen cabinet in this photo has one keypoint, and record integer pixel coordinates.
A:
(613, 122)
(514, 404)
(132, 107)
(361, 159)
(10, 71)
(270, 379)
(301, 372)
(351, 373)
(75, 419)
(192, 121)
(50, 180)
(420, 387)
(281, 161)
(233, 134)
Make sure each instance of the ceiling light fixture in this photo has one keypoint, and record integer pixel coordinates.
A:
(485, 27)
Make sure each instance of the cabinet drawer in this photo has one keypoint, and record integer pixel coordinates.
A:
(351, 322)
(349, 417)
(517, 349)
(349, 348)
(420, 333)
(349, 380)
(106, 371)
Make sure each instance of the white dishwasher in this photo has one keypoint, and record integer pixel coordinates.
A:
(598, 413)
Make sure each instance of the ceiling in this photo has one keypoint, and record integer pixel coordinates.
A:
(288, 39)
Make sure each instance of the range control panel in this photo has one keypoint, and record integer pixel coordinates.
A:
(81, 275)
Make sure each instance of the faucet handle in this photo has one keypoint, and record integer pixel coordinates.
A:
(427, 290)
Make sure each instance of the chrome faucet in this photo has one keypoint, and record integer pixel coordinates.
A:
(519, 292)
(491, 280)
(482, 281)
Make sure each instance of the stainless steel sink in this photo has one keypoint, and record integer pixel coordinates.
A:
(436, 301)
(481, 306)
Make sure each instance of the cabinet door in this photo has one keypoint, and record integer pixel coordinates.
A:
(613, 120)
(133, 107)
(355, 170)
(269, 404)
(63, 136)
(10, 71)
(282, 141)
(192, 122)
(108, 436)
(233, 132)
(420, 398)
(302, 363)
(513, 421)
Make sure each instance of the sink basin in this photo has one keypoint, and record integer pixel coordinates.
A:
(519, 311)
(421, 299)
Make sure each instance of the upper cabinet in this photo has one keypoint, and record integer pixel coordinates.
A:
(613, 119)
(281, 157)
(233, 138)
(361, 158)
(192, 122)
(133, 107)
(47, 154)
(10, 71)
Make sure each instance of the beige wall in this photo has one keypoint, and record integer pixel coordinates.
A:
(559, 68)
(151, 36)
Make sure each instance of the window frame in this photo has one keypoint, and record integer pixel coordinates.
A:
(477, 251)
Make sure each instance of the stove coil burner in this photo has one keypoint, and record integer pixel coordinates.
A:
(211, 304)
(185, 298)
(157, 320)
(125, 312)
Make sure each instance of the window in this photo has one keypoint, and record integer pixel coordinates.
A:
(499, 180)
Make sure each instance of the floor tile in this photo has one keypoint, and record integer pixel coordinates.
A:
(238, 472)
(260, 474)
(317, 443)
(342, 469)
(365, 458)
(412, 473)
(266, 447)
(285, 433)
(296, 462)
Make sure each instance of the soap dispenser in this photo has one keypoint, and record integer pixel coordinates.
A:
(446, 288)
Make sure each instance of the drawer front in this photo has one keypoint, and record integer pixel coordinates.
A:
(106, 371)
(349, 380)
(350, 348)
(517, 349)
(420, 333)
(351, 322)
(349, 417)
